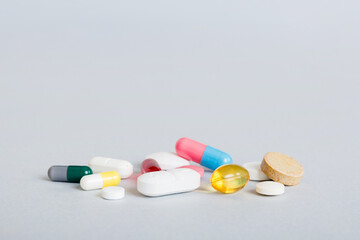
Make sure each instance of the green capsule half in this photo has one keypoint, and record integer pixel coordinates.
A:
(68, 173)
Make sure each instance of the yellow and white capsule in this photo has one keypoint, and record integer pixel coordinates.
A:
(100, 180)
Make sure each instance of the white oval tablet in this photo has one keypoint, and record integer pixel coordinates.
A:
(168, 160)
(168, 182)
(113, 193)
(270, 188)
(255, 171)
(103, 164)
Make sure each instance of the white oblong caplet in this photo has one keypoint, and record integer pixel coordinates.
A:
(168, 182)
(103, 164)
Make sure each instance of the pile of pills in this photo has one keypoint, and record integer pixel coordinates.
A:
(165, 173)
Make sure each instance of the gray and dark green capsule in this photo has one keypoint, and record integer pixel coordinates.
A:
(59, 173)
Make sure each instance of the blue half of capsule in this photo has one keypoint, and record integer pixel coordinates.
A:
(213, 158)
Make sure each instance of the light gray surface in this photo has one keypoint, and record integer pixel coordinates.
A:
(126, 78)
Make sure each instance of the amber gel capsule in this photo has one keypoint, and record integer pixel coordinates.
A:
(229, 178)
(68, 173)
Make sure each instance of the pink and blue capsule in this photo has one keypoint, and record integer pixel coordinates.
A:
(206, 156)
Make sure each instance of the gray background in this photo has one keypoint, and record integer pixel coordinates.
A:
(126, 78)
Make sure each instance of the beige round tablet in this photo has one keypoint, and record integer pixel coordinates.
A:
(282, 168)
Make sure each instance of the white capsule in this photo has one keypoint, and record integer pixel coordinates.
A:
(94, 181)
(103, 164)
(255, 171)
(168, 182)
(100, 180)
(270, 188)
(168, 160)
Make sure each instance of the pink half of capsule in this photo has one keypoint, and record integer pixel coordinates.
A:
(190, 150)
(206, 156)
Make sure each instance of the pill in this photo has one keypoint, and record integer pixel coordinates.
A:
(229, 178)
(150, 165)
(168, 160)
(172, 181)
(255, 171)
(113, 193)
(103, 164)
(282, 168)
(100, 180)
(270, 188)
(198, 169)
(200, 153)
(70, 173)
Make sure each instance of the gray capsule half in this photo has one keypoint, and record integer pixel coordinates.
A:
(58, 173)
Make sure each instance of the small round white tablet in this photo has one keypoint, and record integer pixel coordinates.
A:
(255, 171)
(113, 193)
(270, 188)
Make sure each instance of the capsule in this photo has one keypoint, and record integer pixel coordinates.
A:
(204, 155)
(100, 180)
(229, 178)
(151, 165)
(59, 173)
(168, 160)
(104, 164)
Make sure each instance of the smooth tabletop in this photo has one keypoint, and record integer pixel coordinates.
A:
(121, 79)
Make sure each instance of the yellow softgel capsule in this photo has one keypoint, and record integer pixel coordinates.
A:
(229, 178)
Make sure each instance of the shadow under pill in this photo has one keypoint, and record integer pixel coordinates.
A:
(78, 187)
(45, 178)
(206, 188)
(134, 176)
(252, 191)
(133, 191)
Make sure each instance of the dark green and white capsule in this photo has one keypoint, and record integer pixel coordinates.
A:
(68, 173)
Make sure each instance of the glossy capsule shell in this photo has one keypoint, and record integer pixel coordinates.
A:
(229, 178)
(100, 180)
(200, 153)
(70, 173)
(150, 165)
(168, 160)
(104, 164)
